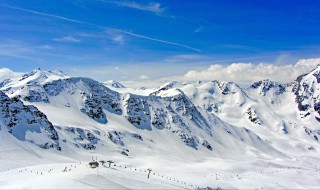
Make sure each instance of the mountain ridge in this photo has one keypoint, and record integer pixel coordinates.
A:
(213, 125)
(193, 112)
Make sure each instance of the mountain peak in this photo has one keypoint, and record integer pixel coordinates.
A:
(166, 86)
(33, 74)
(266, 85)
(58, 72)
(36, 76)
(314, 74)
(35, 71)
(114, 84)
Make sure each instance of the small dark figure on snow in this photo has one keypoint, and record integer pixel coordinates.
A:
(149, 172)
(94, 164)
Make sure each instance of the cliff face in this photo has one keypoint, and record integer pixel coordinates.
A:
(27, 123)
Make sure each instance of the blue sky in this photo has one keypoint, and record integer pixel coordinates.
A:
(139, 40)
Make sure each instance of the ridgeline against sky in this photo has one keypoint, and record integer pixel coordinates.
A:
(141, 40)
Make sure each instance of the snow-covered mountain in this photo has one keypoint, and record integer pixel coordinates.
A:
(114, 84)
(27, 123)
(307, 91)
(159, 117)
(6, 73)
(274, 111)
(37, 76)
(204, 120)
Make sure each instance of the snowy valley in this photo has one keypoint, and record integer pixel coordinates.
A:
(192, 135)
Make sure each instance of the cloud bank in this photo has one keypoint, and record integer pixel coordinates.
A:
(248, 72)
(238, 73)
(150, 76)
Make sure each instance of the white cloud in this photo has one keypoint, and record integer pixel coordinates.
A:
(115, 35)
(144, 77)
(67, 39)
(6, 73)
(241, 73)
(308, 63)
(150, 7)
(190, 68)
(118, 39)
(248, 72)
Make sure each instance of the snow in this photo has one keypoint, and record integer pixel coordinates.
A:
(36, 76)
(6, 73)
(80, 176)
(113, 84)
(226, 174)
(198, 134)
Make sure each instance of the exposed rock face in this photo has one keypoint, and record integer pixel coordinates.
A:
(114, 84)
(253, 116)
(307, 91)
(207, 145)
(83, 138)
(175, 113)
(137, 111)
(193, 115)
(27, 123)
(265, 86)
(95, 96)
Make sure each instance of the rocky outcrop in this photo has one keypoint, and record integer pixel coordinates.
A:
(27, 123)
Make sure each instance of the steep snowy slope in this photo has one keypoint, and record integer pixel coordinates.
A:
(37, 76)
(307, 91)
(268, 108)
(26, 123)
(114, 84)
(175, 112)
(86, 112)
(208, 133)
(278, 109)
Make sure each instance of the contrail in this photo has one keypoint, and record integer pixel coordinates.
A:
(45, 14)
(87, 23)
(158, 40)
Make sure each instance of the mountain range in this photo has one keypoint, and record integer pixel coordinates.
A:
(48, 111)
